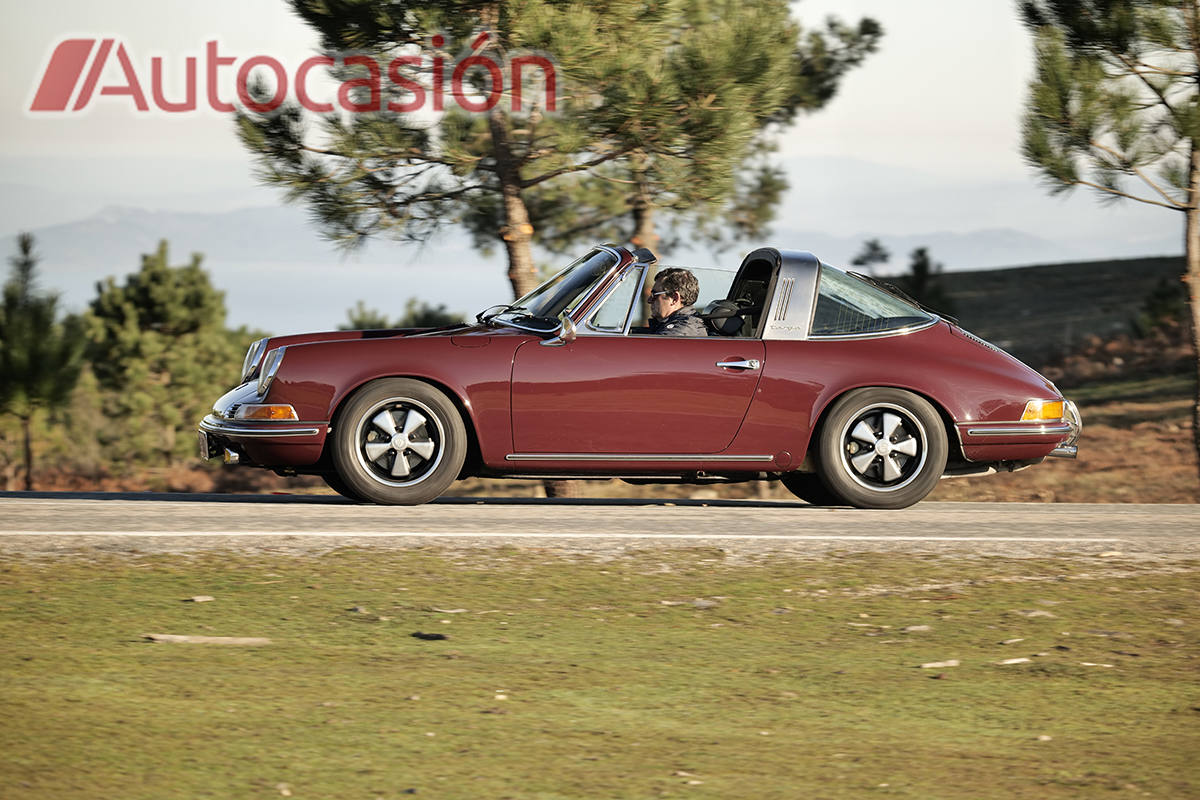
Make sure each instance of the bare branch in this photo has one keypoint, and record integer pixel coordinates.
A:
(576, 167)
(1174, 206)
(1132, 67)
(1163, 70)
(585, 226)
(611, 179)
(1123, 163)
(411, 154)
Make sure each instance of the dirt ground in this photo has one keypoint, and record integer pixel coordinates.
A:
(1130, 452)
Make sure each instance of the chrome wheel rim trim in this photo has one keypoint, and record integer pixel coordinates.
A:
(883, 447)
(399, 442)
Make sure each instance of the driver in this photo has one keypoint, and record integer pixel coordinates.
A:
(671, 299)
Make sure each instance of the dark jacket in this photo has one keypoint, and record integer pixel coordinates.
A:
(684, 322)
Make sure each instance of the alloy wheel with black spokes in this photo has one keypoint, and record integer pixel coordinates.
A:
(882, 448)
(399, 441)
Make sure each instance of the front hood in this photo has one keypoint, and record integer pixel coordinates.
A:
(381, 333)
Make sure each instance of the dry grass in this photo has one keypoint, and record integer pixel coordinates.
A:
(570, 678)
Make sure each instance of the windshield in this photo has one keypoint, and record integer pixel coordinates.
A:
(544, 307)
(849, 306)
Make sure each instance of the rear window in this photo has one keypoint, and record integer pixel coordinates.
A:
(848, 306)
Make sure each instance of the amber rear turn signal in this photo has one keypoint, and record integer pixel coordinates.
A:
(1036, 410)
(264, 411)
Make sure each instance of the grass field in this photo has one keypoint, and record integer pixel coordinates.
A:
(658, 675)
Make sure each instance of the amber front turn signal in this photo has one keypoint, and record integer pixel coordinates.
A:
(1036, 410)
(264, 411)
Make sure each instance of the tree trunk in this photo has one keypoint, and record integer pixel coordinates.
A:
(644, 234)
(517, 234)
(1192, 278)
(26, 429)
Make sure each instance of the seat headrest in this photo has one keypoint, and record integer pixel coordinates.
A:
(723, 317)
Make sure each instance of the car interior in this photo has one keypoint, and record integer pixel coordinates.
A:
(741, 312)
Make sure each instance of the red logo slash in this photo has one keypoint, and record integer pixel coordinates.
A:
(61, 76)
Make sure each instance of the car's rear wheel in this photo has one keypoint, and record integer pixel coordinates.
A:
(399, 441)
(882, 448)
(808, 487)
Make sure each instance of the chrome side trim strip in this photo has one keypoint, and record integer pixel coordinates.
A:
(212, 425)
(1032, 430)
(627, 457)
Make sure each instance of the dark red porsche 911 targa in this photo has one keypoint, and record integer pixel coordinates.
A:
(833, 383)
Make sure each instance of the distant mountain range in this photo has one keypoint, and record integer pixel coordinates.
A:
(280, 275)
(117, 235)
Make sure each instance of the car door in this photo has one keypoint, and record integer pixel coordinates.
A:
(632, 394)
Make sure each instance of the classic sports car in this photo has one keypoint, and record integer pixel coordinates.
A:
(831, 382)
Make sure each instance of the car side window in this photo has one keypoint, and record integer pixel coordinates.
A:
(847, 306)
(611, 316)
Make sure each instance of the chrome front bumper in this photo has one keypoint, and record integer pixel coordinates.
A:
(220, 432)
(214, 424)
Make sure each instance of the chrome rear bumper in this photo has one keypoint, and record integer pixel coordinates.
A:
(1068, 448)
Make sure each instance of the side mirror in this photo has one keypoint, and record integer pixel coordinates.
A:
(566, 333)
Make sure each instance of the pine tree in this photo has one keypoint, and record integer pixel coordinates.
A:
(924, 283)
(700, 98)
(672, 120)
(40, 356)
(873, 252)
(659, 103)
(1113, 106)
(417, 314)
(158, 345)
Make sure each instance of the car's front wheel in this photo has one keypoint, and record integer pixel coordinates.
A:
(882, 448)
(399, 441)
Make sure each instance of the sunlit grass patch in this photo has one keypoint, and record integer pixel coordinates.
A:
(660, 674)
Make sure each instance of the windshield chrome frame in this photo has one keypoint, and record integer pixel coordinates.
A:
(623, 330)
(583, 307)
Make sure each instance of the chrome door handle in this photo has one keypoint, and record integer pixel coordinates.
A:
(747, 363)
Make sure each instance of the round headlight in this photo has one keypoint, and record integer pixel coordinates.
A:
(251, 359)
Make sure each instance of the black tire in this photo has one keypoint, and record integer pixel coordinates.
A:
(335, 482)
(399, 441)
(808, 487)
(882, 448)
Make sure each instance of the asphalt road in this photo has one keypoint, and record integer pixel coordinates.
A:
(60, 523)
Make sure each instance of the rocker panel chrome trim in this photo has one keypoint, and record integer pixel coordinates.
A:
(627, 457)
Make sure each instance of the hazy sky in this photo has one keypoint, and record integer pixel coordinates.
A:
(936, 109)
(941, 95)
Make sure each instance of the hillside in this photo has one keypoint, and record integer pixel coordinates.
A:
(1039, 312)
